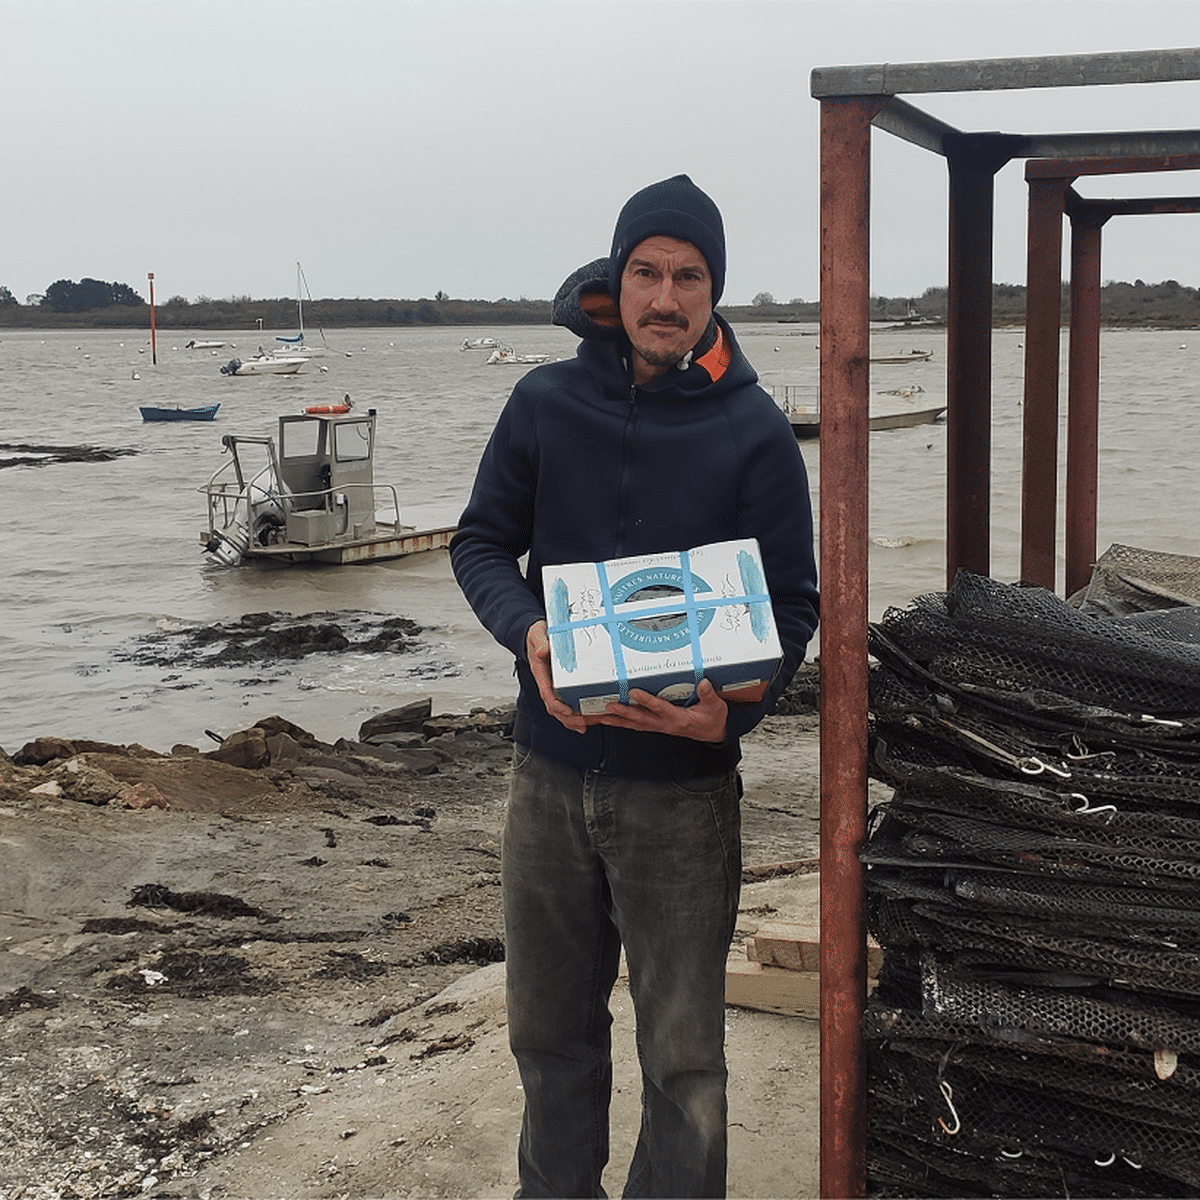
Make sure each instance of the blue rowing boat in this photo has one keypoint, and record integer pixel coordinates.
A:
(204, 412)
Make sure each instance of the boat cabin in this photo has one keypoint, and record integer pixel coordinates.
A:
(326, 469)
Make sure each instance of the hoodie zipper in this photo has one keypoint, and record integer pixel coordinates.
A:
(623, 497)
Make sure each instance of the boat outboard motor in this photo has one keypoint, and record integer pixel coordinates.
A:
(223, 550)
(231, 367)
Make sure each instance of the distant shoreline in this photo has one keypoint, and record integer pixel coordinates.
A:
(1167, 305)
(33, 320)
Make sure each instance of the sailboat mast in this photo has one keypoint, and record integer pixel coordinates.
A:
(299, 304)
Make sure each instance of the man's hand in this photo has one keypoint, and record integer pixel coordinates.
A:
(537, 651)
(703, 721)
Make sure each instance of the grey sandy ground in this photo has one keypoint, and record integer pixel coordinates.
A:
(350, 1046)
(448, 1127)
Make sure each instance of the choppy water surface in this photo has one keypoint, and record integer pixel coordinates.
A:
(101, 556)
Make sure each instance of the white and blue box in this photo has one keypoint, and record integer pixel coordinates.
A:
(661, 622)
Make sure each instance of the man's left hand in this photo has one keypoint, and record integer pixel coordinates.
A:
(703, 721)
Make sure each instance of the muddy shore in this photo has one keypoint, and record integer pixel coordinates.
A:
(275, 967)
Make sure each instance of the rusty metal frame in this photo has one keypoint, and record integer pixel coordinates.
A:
(853, 101)
(1050, 197)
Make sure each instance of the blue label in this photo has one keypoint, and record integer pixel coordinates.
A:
(659, 633)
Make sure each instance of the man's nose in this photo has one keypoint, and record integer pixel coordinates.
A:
(665, 297)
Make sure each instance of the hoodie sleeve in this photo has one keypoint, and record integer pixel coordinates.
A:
(496, 528)
(776, 509)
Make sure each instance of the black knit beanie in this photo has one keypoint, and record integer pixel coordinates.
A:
(676, 208)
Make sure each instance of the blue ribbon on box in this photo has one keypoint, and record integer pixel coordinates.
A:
(562, 626)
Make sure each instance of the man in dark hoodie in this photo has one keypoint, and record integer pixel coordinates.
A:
(623, 828)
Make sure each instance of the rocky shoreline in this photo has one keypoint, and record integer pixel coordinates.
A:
(214, 958)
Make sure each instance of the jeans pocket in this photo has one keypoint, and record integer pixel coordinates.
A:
(520, 755)
(702, 786)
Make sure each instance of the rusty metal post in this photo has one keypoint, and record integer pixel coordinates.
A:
(972, 161)
(845, 395)
(1043, 318)
(1083, 399)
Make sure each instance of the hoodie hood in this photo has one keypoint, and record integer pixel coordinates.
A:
(585, 306)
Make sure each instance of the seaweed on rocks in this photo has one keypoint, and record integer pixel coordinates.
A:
(24, 454)
(267, 637)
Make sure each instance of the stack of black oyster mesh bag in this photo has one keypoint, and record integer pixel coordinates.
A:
(1035, 883)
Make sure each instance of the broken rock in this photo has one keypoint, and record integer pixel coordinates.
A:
(80, 781)
(407, 718)
(246, 748)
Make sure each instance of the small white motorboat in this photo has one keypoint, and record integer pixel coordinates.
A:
(504, 355)
(480, 343)
(265, 364)
(195, 345)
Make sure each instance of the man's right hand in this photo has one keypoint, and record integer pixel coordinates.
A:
(537, 651)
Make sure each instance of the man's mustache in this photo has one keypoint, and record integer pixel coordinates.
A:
(677, 319)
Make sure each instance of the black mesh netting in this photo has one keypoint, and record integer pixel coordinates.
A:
(1035, 883)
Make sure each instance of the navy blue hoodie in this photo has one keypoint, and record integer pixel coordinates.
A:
(584, 465)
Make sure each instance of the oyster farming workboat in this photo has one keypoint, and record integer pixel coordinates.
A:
(309, 496)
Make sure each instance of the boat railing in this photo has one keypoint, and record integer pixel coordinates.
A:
(794, 398)
(389, 491)
(324, 498)
(234, 499)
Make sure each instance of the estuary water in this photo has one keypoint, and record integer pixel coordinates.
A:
(101, 558)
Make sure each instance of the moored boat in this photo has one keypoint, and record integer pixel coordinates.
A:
(202, 412)
(909, 356)
(807, 424)
(264, 364)
(309, 495)
(294, 344)
(507, 355)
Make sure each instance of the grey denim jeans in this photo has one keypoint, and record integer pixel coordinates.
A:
(591, 863)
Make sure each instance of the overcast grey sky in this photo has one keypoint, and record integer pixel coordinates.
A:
(483, 147)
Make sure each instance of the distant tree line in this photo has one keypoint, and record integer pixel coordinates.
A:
(67, 296)
(242, 313)
(92, 302)
(73, 306)
(1169, 305)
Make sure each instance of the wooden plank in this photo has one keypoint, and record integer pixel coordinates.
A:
(773, 989)
(796, 946)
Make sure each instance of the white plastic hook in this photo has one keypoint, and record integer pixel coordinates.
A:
(1086, 806)
(948, 1093)
(1034, 766)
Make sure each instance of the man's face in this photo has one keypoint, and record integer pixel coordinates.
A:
(665, 302)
